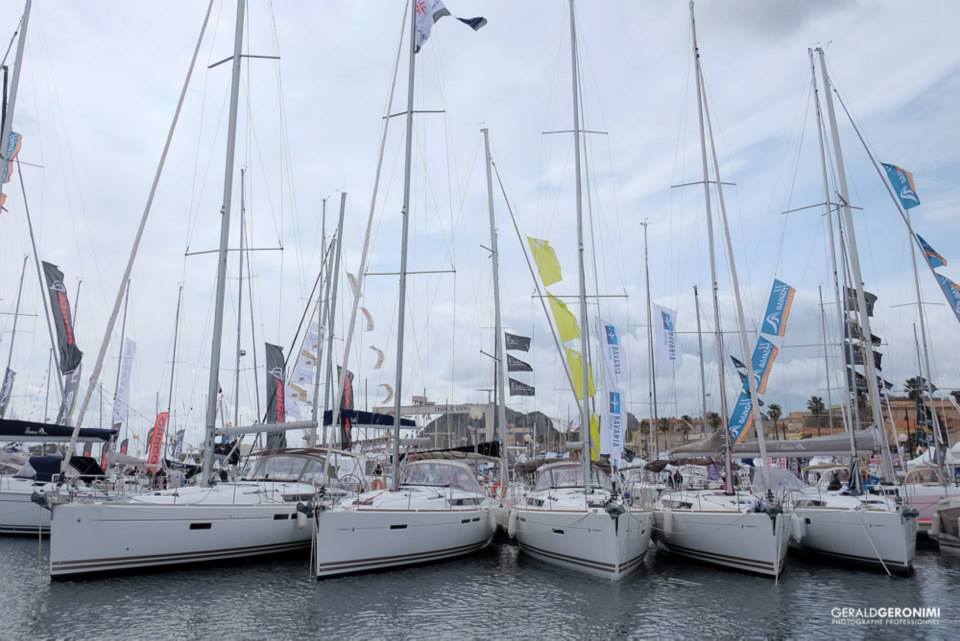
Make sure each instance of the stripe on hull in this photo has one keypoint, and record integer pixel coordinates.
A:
(868, 560)
(374, 563)
(24, 529)
(609, 568)
(750, 565)
(131, 562)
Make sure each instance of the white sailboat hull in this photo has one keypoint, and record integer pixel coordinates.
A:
(860, 536)
(588, 541)
(18, 513)
(749, 541)
(356, 540)
(91, 538)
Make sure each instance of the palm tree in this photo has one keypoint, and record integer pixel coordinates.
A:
(687, 425)
(774, 411)
(714, 420)
(816, 407)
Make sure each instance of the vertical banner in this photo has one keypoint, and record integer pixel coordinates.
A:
(299, 387)
(6, 390)
(275, 395)
(71, 385)
(346, 403)
(594, 438)
(546, 260)
(70, 354)
(664, 333)
(155, 447)
(902, 181)
(614, 423)
(778, 309)
(178, 446)
(741, 419)
(952, 293)
(121, 403)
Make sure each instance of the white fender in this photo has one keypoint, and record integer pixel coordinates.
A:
(935, 525)
(668, 521)
(798, 527)
(492, 519)
(301, 520)
(512, 524)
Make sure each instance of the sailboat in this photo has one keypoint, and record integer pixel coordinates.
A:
(260, 513)
(739, 530)
(848, 524)
(574, 517)
(434, 509)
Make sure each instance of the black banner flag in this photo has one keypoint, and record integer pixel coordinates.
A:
(520, 389)
(516, 365)
(512, 341)
(275, 398)
(70, 354)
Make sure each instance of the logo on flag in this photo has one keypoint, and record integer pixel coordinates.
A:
(902, 181)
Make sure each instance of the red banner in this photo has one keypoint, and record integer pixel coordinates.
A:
(155, 450)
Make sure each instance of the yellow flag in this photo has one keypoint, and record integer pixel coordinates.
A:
(594, 438)
(576, 372)
(566, 321)
(546, 260)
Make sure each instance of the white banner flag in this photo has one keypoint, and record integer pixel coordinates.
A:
(613, 424)
(299, 388)
(121, 403)
(664, 333)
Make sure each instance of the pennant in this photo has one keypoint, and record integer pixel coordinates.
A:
(14, 142)
(664, 333)
(6, 390)
(70, 354)
(155, 448)
(858, 356)
(741, 419)
(369, 317)
(868, 297)
(902, 181)
(575, 363)
(546, 259)
(778, 308)
(516, 365)
(933, 257)
(594, 438)
(380, 357)
(516, 388)
(178, 445)
(121, 400)
(952, 293)
(389, 389)
(517, 343)
(274, 385)
(354, 284)
(853, 331)
(428, 12)
(71, 384)
(566, 322)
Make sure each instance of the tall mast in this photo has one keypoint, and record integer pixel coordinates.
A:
(214, 382)
(828, 214)
(173, 361)
(13, 337)
(331, 322)
(499, 352)
(116, 384)
(653, 439)
(325, 265)
(703, 377)
(718, 331)
(854, 258)
(14, 84)
(584, 326)
(405, 228)
(236, 379)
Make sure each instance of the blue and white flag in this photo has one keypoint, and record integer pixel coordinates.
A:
(778, 308)
(933, 257)
(902, 181)
(741, 418)
(178, 446)
(613, 424)
(952, 292)
(665, 333)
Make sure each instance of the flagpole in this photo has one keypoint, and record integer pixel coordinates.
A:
(322, 300)
(14, 86)
(13, 337)
(214, 381)
(498, 346)
(718, 333)
(653, 437)
(405, 215)
(236, 375)
(854, 257)
(334, 283)
(703, 377)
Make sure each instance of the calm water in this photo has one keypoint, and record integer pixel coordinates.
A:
(495, 595)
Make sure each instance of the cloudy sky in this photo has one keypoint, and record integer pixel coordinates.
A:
(100, 83)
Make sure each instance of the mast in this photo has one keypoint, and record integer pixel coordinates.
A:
(405, 228)
(718, 332)
(334, 284)
(854, 258)
(236, 384)
(838, 301)
(320, 310)
(498, 347)
(653, 440)
(123, 334)
(13, 336)
(703, 377)
(584, 326)
(176, 336)
(214, 382)
(14, 84)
